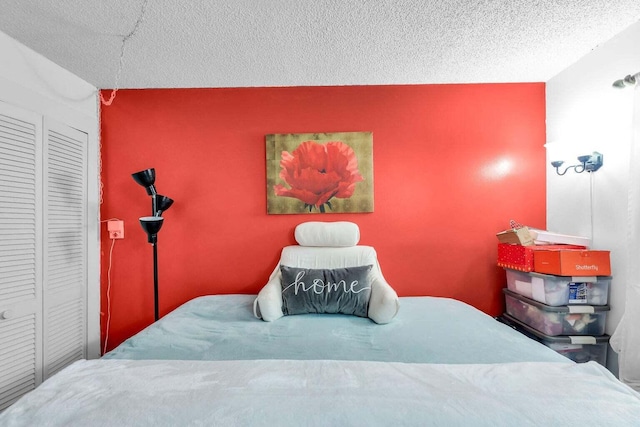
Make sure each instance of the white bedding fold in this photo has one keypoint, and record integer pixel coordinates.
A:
(326, 392)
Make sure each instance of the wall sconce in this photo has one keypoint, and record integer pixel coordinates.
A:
(588, 163)
(152, 224)
(629, 80)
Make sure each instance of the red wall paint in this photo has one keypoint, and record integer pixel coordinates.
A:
(442, 186)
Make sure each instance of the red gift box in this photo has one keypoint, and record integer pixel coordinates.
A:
(518, 257)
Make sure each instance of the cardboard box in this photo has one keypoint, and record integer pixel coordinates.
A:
(518, 257)
(572, 262)
(520, 236)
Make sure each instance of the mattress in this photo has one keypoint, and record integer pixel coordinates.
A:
(426, 330)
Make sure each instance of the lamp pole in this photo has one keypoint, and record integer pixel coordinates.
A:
(154, 210)
(155, 277)
(151, 225)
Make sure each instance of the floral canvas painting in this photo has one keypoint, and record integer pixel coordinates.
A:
(319, 173)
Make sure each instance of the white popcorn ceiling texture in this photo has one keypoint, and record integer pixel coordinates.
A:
(249, 43)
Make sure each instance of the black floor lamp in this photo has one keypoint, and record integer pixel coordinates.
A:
(152, 224)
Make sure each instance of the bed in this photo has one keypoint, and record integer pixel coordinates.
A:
(434, 362)
(440, 362)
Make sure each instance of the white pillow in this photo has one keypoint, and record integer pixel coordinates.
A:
(335, 234)
(383, 303)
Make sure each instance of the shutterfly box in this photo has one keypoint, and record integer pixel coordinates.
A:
(519, 257)
(572, 262)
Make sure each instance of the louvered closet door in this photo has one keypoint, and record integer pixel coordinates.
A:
(65, 243)
(20, 253)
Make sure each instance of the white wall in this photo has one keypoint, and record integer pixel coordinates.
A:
(32, 82)
(585, 114)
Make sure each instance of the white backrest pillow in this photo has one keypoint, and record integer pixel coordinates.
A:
(329, 234)
(383, 302)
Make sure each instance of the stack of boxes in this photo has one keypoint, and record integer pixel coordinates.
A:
(557, 293)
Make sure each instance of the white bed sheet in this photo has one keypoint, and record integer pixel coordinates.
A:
(326, 393)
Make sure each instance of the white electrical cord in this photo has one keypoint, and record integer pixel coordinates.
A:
(108, 322)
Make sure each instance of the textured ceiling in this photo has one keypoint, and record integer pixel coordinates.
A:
(241, 43)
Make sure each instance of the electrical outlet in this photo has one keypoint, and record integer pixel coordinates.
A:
(116, 229)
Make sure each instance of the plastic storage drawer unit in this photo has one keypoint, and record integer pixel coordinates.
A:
(559, 290)
(577, 348)
(553, 321)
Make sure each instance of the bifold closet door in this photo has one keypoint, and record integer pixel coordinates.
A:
(65, 245)
(43, 249)
(20, 252)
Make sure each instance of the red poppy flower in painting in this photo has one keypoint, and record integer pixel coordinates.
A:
(317, 172)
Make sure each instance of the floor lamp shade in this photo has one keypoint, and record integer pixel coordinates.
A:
(147, 179)
(162, 204)
(151, 225)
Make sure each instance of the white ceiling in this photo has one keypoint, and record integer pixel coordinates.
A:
(244, 43)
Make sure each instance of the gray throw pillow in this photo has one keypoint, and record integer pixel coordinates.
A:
(338, 290)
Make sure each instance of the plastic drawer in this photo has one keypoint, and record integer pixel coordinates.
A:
(559, 290)
(580, 348)
(552, 320)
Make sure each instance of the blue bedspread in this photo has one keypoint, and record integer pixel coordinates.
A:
(426, 330)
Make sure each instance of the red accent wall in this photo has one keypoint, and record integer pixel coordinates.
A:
(452, 165)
